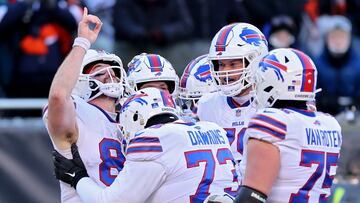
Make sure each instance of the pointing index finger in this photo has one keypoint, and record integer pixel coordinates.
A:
(85, 12)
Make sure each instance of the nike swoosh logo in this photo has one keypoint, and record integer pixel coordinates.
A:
(71, 174)
(137, 134)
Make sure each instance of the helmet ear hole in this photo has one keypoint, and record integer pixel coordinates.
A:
(215, 64)
(286, 59)
(246, 62)
(136, 116)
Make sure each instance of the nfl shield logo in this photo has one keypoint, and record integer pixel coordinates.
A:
(238, 113)
(291, 88)
(154, 105)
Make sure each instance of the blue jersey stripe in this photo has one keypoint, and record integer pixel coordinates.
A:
(271, 121)
(139, 149)
(304, 112)
(267, 129)
(145, 140)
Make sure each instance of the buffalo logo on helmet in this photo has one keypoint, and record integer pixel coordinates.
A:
(134, 98)
(252, 37)
(133, 66)
(272, 62)
(203, 73)
(155, 64)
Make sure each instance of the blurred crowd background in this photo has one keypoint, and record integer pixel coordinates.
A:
(36, 35)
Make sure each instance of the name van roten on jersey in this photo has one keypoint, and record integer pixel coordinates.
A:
(320, 137)
(209, 137)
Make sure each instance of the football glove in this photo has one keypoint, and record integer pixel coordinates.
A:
(69, 170)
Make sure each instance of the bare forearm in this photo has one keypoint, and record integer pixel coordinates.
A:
(61, 111)
(68, 73)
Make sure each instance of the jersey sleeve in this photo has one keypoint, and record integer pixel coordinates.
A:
(135, 183)
(268, 125)
(80, 107)
(145, 146)
(77, 103)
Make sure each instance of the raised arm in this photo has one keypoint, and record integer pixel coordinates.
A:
(61, 119)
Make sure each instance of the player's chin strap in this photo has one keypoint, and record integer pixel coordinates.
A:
(249, 195)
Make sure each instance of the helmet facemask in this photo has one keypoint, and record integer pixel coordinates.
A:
(235, 81)
(237, 41)
(188, 107)
(114, 86)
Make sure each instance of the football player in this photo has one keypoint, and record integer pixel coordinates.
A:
(235, 50)
(152, 70)
(167, 160)
(195, 82)
(291, 153)
(81, 108)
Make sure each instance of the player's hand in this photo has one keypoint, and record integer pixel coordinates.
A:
(84, 29)
(219, 198)
(69, 170)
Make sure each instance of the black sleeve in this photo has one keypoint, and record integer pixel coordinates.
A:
(249, 195)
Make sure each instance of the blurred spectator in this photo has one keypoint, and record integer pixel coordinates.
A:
(348, 187)
(310, 39)
(156, 22)
(347, 192)
(5, 59)
(210, 16)
(261, 11)
(104, 10)
(41, 32)
(281, 32)
(316, 8)
(156, 26)
(5, 68)
(353, 165)
(339, 68)
(352, 11)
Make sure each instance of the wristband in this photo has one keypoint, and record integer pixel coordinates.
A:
(82, 42)
(247, 194)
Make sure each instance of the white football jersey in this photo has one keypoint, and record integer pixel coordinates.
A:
(228, 114)
(176, 162)
(309, 144)
(98, 144)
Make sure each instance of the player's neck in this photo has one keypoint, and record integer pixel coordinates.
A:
(243, 97)
(244, 93)
(105, 103)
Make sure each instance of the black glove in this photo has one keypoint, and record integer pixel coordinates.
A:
(69, 170)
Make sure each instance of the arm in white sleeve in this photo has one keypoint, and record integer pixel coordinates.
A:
(135, 183)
